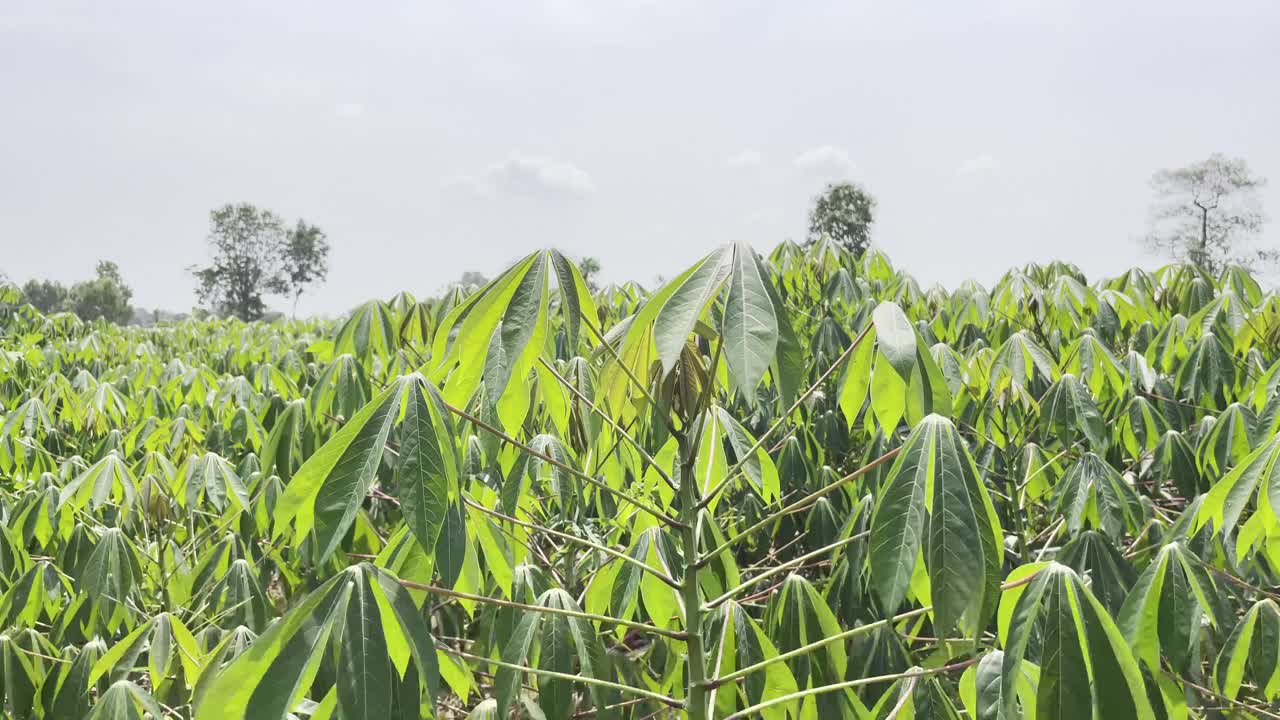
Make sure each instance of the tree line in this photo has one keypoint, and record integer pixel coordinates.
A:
(1208, 214)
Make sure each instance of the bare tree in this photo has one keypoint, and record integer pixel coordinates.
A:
(1208, 213)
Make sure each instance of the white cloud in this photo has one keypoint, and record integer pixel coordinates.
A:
(746, 158)
(825, 160)
(977, 164)
(529, 176)
(349, 110)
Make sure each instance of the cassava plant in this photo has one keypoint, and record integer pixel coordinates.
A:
(788, 487)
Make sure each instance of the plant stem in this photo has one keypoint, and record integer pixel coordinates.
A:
(912, 673)
(665, 518)
(575, 539)
(783, 567)
(806, 649)
(733, 471)
(696, 706)
(662, 473)
(584, 679)
(673, 634)
(802, 502)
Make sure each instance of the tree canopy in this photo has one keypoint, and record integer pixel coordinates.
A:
(254, 255)
(844, 212)
(106, 296)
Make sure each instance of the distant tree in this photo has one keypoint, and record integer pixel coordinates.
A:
(472, 278)
(589, 266)
(106, 296)
(47, 296)
(254, 255)
(1207, 214)
(843, 212)
(306, 259)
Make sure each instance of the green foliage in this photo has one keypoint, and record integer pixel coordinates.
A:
(47, 296)
(106, 296)
(253, 255)
(843, 213)
(787, 487)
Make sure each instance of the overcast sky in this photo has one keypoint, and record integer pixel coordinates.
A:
(432, 138)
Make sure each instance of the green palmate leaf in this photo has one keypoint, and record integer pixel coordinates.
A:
(888, 396)
(125, 701)
(1064, 679)
(169, 645)
(1086, 669)
(857, 378)
(755, 330)
(935, 504)
(1227, 441)
(19, 674)
(516, 346)
(797, 616)
(750, 326)
(896, 337)
(583, 645)
(555, 696)
(1141, 427)
(1206, 372)
(756, 333)
(1252, 653)
(268, 679)
(1071, 413)
(328, 489)
(326, 493)
(369, 626)
(1021, 364)
(1228, 497)
(341, 389)
(927, 391)
(70, 694)
(988, 687)
(1162, 614)
(1175, 460)
(497, 333)
(1092, 491)
(211, 478)
(914, 697)
(110, 576)
(516, 652)
(463, 339)
(742, 643)
(1094, 556)
(368, 332)
(689, 298)
(758, 466)
(365, 672)
(107, 481)
(429, 466)
(574, 294)
(452, 546)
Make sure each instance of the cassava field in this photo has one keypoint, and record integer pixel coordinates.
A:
(799, 486)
